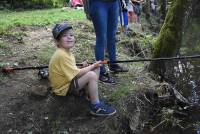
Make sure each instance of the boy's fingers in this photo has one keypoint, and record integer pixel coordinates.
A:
(104, 62)
(85, 63)
(97, 64)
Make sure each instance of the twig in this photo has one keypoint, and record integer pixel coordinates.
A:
(147, 99)
(139, 100)
(152, 129)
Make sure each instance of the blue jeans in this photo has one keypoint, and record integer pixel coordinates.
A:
(124, 18)
(105, 19)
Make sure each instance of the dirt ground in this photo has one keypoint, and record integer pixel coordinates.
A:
(26, 106)
(22, 109)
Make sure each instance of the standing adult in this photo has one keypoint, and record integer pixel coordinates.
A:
(104, 15)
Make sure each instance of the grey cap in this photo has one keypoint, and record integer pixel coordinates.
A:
(59, 28)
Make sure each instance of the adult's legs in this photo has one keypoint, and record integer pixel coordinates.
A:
(99, 17)
(90, 82)
(111, 35)
(111, 30)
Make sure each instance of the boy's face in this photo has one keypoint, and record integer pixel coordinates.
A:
(67, 39)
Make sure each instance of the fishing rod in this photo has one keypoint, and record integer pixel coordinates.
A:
(153, 59)
(10, 69)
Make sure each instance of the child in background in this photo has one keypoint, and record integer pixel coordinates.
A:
(124, 15)
(66, 78)
(153, 4)
(137, 7)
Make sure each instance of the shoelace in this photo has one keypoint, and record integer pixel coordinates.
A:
(101, 106)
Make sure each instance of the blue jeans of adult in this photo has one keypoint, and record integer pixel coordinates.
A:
(104, 16)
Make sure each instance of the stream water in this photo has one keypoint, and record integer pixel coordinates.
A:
(188, 83)
(185, 77)
(194, 98)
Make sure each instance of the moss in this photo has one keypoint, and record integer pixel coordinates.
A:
(169, 39)
(121, 92)
(191, 41)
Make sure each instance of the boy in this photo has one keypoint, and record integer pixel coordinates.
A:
(65, 77)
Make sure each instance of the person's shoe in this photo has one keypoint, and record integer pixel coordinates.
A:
(105, 77)
(116, 68)
(101, 109)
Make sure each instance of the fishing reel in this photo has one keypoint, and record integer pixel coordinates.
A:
(43, 73)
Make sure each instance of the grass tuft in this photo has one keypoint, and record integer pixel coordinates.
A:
(37, 17)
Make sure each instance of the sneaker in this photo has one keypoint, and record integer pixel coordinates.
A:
(116, 68)
(101, 109)
(105, 77)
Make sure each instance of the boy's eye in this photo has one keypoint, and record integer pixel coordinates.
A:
(68, 35)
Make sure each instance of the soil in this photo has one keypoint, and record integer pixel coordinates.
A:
(27, 106)
(23, 94)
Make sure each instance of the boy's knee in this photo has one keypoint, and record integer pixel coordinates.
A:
(92, 75)
(97, 71)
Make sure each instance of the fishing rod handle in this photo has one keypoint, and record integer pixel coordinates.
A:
(105, 62)
(7, 70)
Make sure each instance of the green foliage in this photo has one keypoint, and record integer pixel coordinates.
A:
(191, 42)
(37, 17)
(3, 45)
(121, 92)
(147, 41)
(58, 3)
(37, 3)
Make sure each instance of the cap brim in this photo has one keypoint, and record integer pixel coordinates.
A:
(64, 29)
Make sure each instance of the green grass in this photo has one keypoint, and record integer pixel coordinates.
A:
(3, 45)
(123, 90)
(11, 19)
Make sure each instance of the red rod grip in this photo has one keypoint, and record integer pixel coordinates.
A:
(7, 70)
(104, 62)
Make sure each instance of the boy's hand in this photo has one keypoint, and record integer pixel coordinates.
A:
(97, 64)
(85, 63)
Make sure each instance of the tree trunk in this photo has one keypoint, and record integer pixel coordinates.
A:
(169, 40)
(146, 9)
(163, 8)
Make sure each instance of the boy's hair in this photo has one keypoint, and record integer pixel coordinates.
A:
(59, 29)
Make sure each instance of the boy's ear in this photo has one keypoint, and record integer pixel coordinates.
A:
(56, 42)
